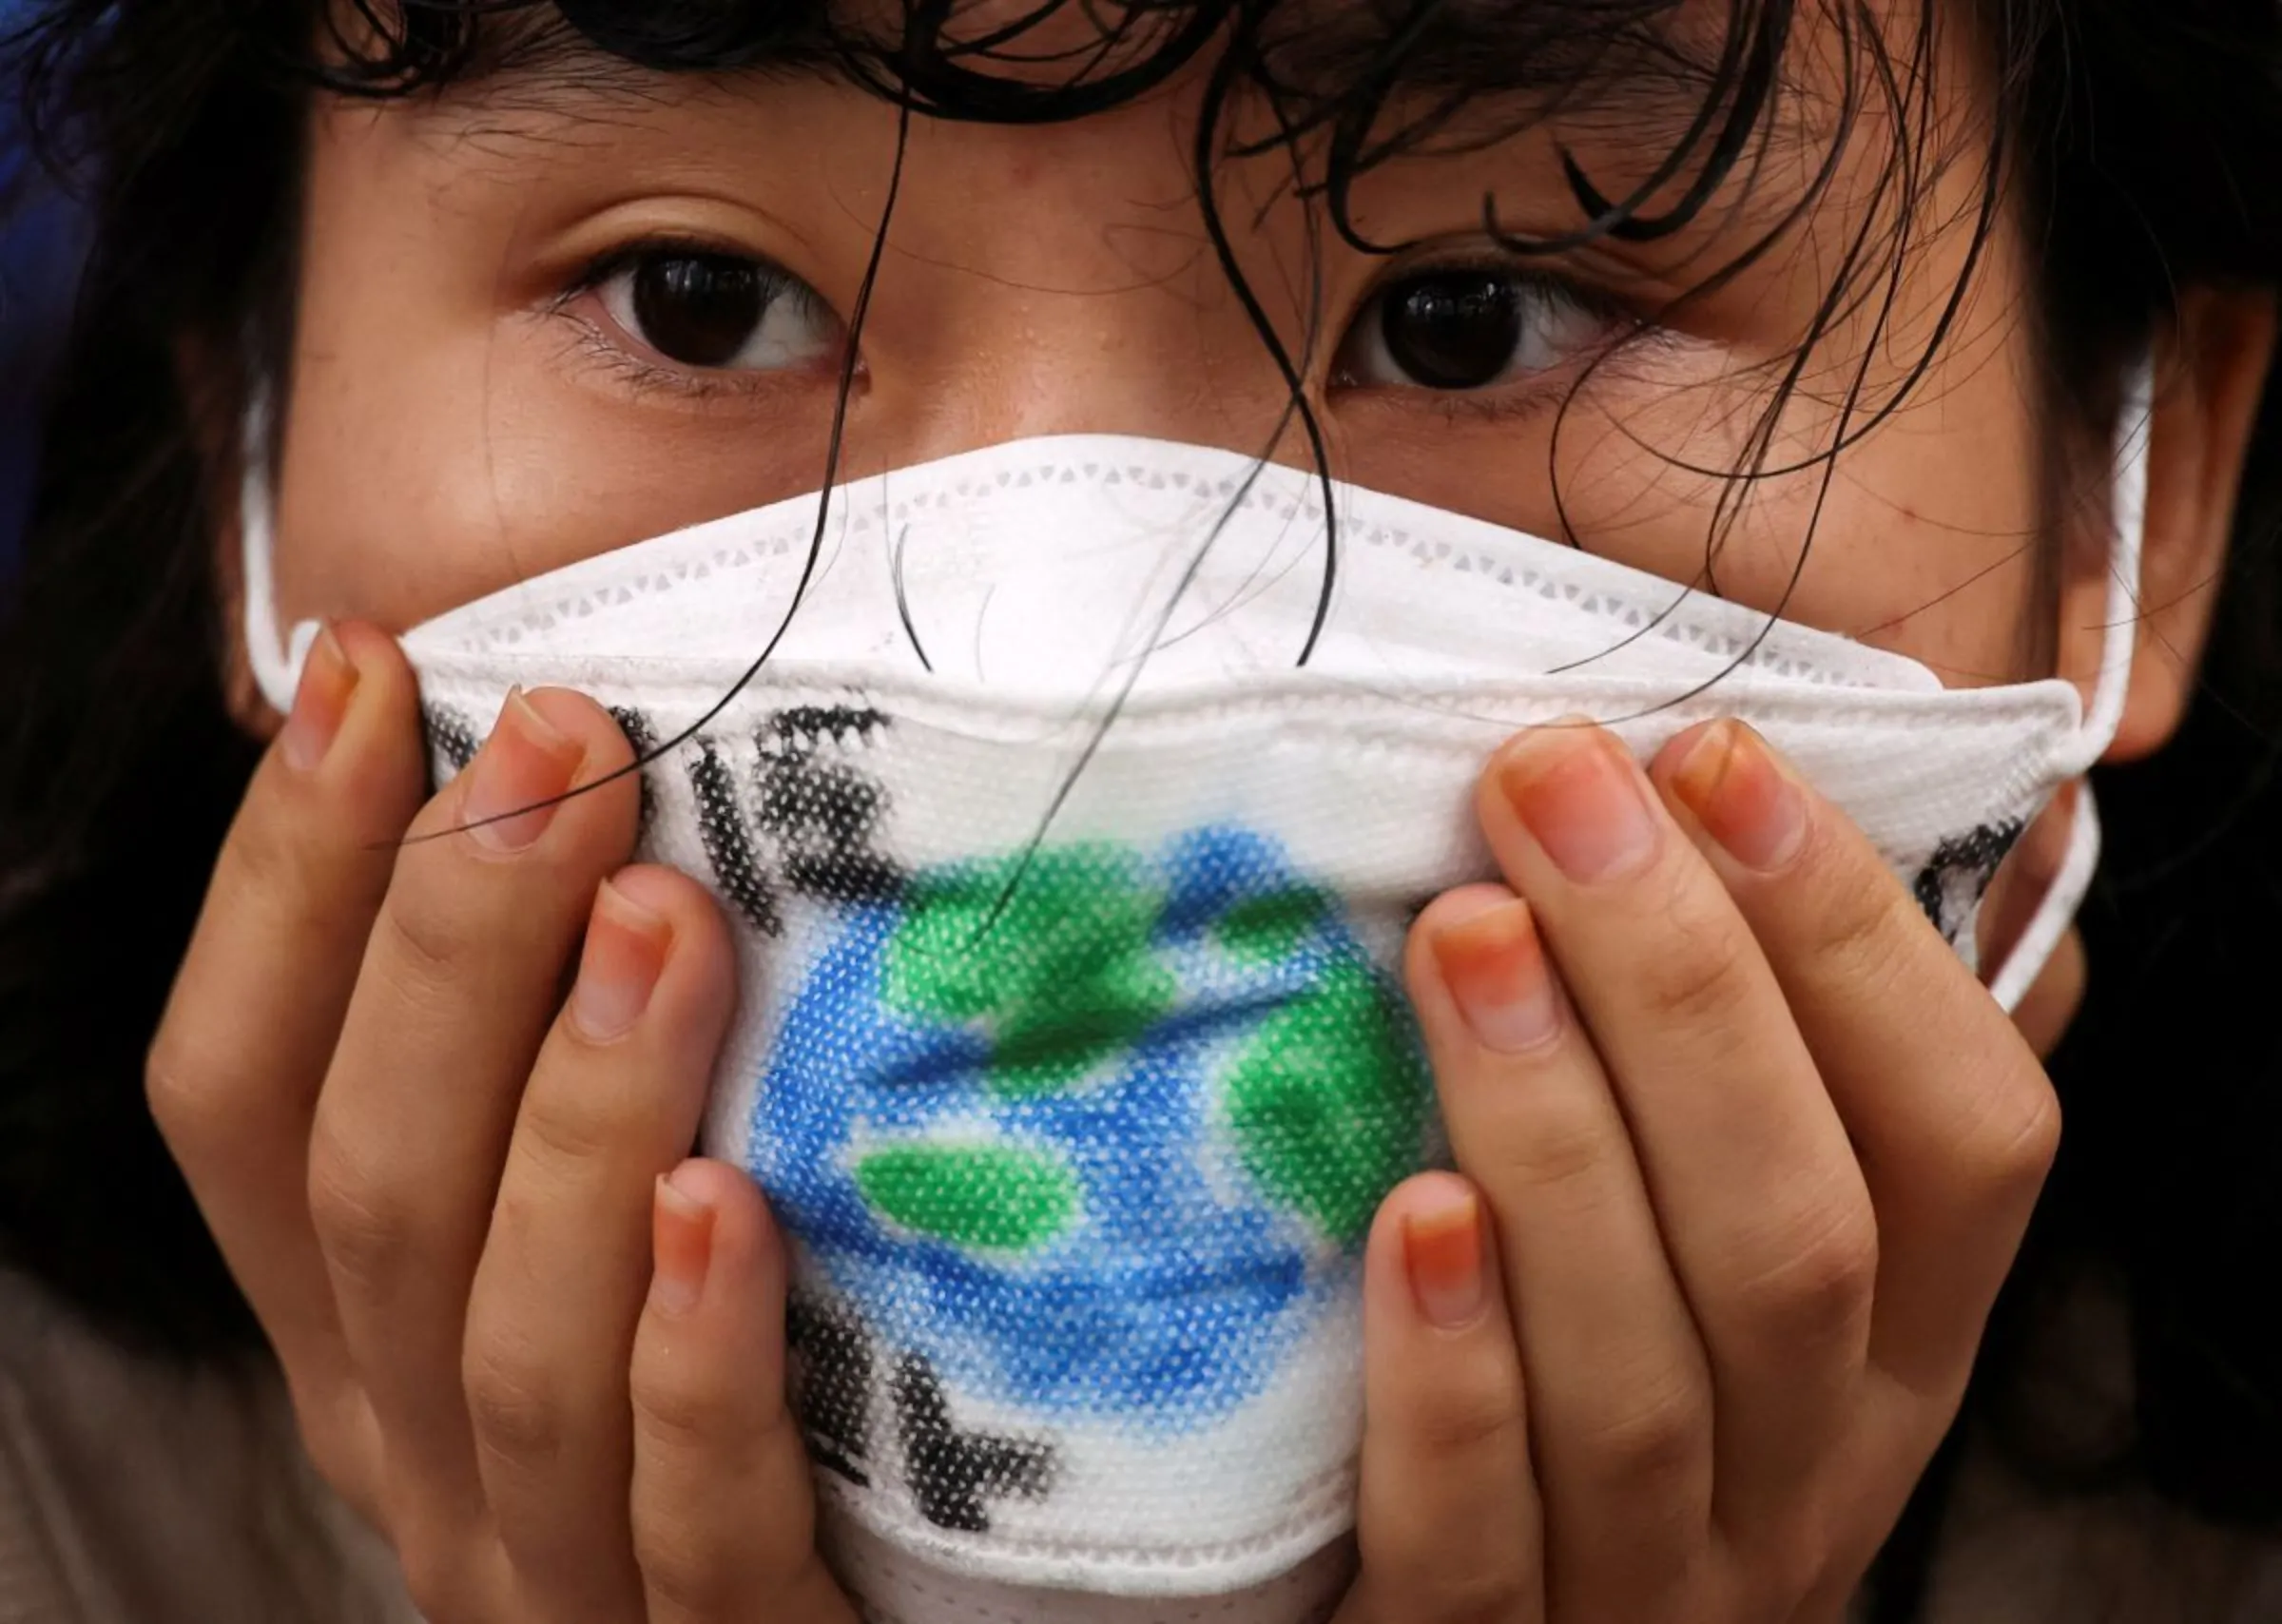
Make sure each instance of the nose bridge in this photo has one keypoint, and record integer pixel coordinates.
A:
(1097, 306)
(1137, 359)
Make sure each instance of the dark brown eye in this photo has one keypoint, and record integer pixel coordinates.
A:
(1452, 330)
(717, 312)
(1464, 328)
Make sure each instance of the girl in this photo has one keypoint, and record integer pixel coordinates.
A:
(1829, 310)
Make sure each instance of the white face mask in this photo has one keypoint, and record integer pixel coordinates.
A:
(1072, 1053)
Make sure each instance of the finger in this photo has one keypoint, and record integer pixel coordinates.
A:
(613, 1107)
(724, 1511)
(1448, 1518)
(1620, 1393)
(459, 984)
(242, 1052)
(1952, 1117)
(1756, 1189)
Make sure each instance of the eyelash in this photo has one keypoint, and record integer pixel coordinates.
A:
(598, 348)
(1520, 401)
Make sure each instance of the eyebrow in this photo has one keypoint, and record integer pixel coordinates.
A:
(540, 62)
(545, 68)
(1540, 48)
(1535, 46)
(1624, 76)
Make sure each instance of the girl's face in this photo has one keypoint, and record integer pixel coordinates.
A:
(573, 305)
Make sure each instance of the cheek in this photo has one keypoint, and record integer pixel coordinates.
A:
(436, 479)
(1926, 542)
(1923, 537)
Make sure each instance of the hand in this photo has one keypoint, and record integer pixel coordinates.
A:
(443, 1186)
(1746, 1153)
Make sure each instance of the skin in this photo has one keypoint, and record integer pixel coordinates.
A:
(1733, 1198)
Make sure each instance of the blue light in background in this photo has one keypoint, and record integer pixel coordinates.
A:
(42, 243)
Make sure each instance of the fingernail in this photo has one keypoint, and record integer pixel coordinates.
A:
(619, 969)
(1583, 800)
(1729, 778)
(682, 1244)
(526, 761)
(321, 704)
(1495, 967)
(1441, 1249)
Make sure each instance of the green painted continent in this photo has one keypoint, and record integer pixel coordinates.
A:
(988, 1197)
(1328, 1103)
(1052, 955)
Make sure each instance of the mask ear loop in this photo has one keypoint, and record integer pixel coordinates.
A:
(2120, 648)
(2122, 642)
(277, 664)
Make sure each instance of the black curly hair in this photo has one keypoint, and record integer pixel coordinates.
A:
(2136, 142)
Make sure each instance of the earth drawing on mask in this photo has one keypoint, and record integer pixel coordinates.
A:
(1094, 1130)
